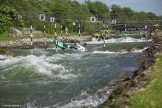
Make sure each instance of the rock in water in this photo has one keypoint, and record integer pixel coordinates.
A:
(8, 53)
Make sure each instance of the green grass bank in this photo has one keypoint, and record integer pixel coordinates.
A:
(151, 96)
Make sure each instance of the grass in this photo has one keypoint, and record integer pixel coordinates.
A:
(151, 97)
(4, 37)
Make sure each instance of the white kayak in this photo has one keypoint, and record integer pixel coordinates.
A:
(80, 48)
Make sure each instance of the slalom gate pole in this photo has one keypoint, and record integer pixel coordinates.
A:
(79, 32)
(45, 33)
(61, 30)
(44, 30)
(31, 35)
(66, 32)
(103, 32)
(125, 32)
(56, 38)
(50, 29)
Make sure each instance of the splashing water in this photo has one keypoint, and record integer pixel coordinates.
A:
(68, 79)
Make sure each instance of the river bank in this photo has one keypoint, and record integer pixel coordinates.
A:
(44, 42)
(125, 90)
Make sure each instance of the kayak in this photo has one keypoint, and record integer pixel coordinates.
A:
(79, 47)
(62, 45)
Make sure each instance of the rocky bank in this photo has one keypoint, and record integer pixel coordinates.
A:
(25, 43)
(119, 97)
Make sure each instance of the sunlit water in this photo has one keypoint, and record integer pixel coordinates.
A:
(67, 79)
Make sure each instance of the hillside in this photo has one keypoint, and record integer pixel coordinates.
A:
(22, 13)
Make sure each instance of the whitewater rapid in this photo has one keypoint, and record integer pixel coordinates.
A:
(67, 79)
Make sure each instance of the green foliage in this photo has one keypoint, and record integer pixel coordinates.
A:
(116, 11)
(8, 18)
(126, 13)
(99, 9)
(133, 19)
(65, 12)
(4, 37)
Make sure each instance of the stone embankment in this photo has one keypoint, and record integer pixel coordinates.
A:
(21, 43)
(38, 43)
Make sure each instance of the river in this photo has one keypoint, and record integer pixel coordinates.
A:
(67, 79)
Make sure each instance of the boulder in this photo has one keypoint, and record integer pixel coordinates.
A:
(15, 32)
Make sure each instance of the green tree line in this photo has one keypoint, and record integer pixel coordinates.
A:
(22, 13)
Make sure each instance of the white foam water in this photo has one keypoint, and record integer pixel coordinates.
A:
(87, 100)
(139, 50)
(60, 76)
(39, 64)
(65, 56)
(108, 52)
(121, 40)
(120, 52)
(5, 56)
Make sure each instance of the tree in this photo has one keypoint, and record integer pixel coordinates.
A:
(151, 16)
(128, 13)
(116, 11)
(9, 17)
(99, 9)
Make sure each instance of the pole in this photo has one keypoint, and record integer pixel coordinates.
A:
(79, 32)
(31, 35)
(61, 30)
(56, 38)
(50, 28)
(66, 32)
(44, 30)
(103, 33)
(125, 32)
